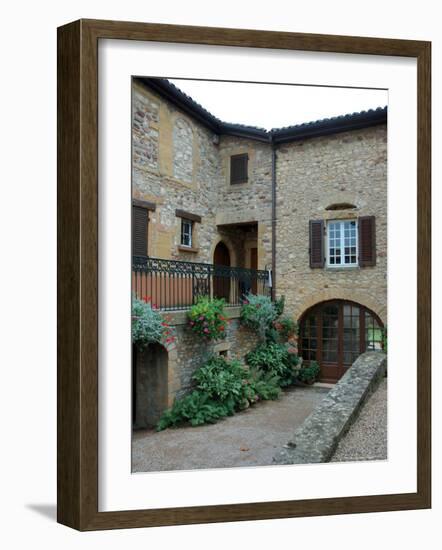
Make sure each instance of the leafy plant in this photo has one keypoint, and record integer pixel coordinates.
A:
(148, 325)
(278, 359)
(222, 387)
(264, 385)
(222, 380)
(279, 305)
(286, 327)
(207, 318)
(196, 408)
(309, 373)
(258, 313)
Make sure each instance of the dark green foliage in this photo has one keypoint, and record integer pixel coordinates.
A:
(274, 358)
(196, 408)
(222, 387)
(222, 380)
(265, 385)
(309, 373)
(272, 335)
(279, 305)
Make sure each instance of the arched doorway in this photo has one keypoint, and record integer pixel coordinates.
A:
(335, 333)
(149, 385)
(221, 282)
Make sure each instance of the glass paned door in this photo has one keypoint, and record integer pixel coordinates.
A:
(335, 333)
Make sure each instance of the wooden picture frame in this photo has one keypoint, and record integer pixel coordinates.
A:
(78, 274)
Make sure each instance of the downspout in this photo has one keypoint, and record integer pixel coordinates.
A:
(273, 217)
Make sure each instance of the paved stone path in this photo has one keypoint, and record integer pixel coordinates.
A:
(367, 437)
(249, 438)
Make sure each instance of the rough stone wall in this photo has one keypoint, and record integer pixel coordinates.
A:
(178, 165)
(175, 166)
(145, 120)
(251, 201)
(350, 167)
(193, 352)
(182, 150)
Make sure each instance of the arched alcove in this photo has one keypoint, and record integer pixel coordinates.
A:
(221, 284)
(150, 385)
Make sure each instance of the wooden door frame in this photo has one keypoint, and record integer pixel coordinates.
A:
(340, 347)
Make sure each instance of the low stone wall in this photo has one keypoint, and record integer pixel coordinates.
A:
(191, 352)
(316, 440)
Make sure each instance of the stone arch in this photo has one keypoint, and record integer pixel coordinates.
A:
(341, 294)
(225, 240)
(182, 138)
(150, 385)
(340, 197)
(337, 206)
(334, 333)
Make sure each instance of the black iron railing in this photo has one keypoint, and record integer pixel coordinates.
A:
(173, 284)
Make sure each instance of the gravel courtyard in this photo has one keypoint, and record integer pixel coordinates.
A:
(367, 437)
(249, 438)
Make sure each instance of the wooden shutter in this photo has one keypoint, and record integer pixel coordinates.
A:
(316, 243)
(367, 241)
(239, 168)
(139, 231)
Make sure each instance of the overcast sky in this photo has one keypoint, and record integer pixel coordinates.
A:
(275, 105)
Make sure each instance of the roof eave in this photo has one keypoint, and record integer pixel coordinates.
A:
(284, 135)
(298, 134)
(163, 88)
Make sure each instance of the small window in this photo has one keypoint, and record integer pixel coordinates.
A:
(186, 232)
(239, 168)
(342, 243)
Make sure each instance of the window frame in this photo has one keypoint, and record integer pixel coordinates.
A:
(185, 221)
(240, 181)
(342, 244)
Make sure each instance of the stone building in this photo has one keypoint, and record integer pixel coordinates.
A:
(299, 211)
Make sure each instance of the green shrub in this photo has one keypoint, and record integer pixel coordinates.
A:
(196, 408)
(264, 385)
(278, 359)
(222, 380)
(207, 318)
(258, 313)
(285, 327)
(148, 325)
(279, 305)
(222, 387)
(309, 373)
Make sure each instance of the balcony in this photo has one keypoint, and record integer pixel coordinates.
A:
(176, 285)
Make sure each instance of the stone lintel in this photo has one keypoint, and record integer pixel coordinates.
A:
(222, 346)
